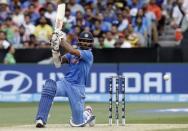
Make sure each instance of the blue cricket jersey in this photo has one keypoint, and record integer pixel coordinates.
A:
(79, 67)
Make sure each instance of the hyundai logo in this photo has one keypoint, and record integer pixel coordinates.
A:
(14, 82)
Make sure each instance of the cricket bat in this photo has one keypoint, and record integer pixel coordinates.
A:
(60, 16)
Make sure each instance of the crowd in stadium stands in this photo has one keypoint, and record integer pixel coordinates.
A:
(114, 23)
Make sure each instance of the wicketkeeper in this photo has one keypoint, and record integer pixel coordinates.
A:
(73, 85)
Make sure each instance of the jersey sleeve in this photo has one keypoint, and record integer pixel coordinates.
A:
(68, 56)
(86, 55)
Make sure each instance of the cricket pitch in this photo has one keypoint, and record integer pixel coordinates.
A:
(102, 127)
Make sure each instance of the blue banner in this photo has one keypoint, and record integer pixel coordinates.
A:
(143, 83)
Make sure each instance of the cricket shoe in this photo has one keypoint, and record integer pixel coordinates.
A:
(72, 124)
(89, 117)
(40, 124)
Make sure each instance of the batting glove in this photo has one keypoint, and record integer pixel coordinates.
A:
(56, 39)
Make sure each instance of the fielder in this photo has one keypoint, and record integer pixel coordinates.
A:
(73, 85)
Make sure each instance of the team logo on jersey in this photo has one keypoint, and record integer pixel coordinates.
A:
(14, 82)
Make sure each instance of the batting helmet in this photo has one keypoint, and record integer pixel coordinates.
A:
(85, 40)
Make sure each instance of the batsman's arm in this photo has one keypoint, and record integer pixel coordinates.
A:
(69, 48)
(58, 59)
(58, 39)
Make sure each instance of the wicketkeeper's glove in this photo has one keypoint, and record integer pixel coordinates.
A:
(56, 39)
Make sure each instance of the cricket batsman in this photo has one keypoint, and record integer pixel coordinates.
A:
(73, 84)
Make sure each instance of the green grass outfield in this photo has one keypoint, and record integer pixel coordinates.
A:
(12, 114)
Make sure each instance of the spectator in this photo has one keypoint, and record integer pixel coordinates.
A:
(35, 3)
(153, 7)
(26, 4)
(109, 41)
(70, 21)
(87, 29)
(167, 5)
(184, 25)
(126, 13)
(97, 34)
(4, 11)
(80, 21)
(70, 38)
(75, 7)
(9, 28)
(9, 58)
(114, 31)
(89, 17)
(105, 26)
(29, 26)
(77, 30)
(159, 2)
(42, 12)
(34, 15)
(123, 21)
(122, 43)
(134, 6)
(96, 29)
(109, 13)
(152, 25)
(92, 5)
(79, 15)
(99, 42)
(135, 3)
(43, 31)
(140, 27)
(20, 37)
(18, 17)
(50, 13)
(4, 44)
(131, 39)
(26, 44)
(185, 32)
(100, 6)
(14, 3)
(73, 36)
(100, 17)
(33, 43)
(178, 14)
(185, 6)
(141, 14)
